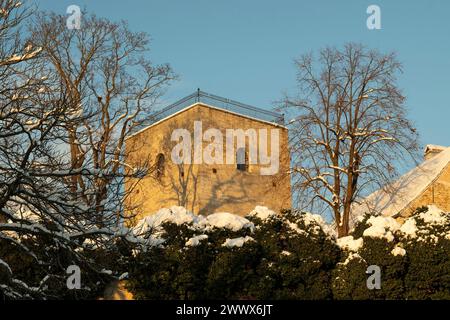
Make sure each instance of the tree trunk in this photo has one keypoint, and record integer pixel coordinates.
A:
(343, 230)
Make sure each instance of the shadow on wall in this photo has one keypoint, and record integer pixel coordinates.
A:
(208, 188)
(204, 188)
(225, 192)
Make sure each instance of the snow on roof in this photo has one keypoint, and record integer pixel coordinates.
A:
(407, 188)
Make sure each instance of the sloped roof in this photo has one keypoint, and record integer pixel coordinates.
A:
(406, 189)
(211, 101)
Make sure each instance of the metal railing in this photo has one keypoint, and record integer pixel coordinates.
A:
(221, 103)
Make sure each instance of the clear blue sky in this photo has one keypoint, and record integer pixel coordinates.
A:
(243, 49)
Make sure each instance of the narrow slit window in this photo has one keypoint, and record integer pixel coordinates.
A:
(160, 162)
(241, 159)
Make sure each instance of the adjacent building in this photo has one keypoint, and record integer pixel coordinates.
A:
(429, 183)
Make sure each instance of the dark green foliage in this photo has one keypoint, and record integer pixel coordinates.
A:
(351, 283)
(291, 257)
(422, 273)
(428, 274)
(283, 262)
(360, 226)
(349, 280)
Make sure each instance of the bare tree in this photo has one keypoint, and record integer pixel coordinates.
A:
(44, 225)
(349, 128)
(108, 78)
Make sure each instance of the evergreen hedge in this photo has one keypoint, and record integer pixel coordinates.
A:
(291, 256)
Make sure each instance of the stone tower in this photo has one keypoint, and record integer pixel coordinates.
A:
(210, 154)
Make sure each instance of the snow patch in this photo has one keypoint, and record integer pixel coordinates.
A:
(398, 251)
(236, 242)
(309, 218)
(195, 241)
(434, 216)
(317, 222)
(350, 244)
(381, 227)
(409, 228)
(226, 220)
(105, 271)
(174, 214)
(262, 213)
(123, 276)
(149, 229)
(351, 256)
(294, 227)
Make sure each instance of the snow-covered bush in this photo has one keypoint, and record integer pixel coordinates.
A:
(291, 255)
(224, 256)
(427, 244)
(413, 257)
